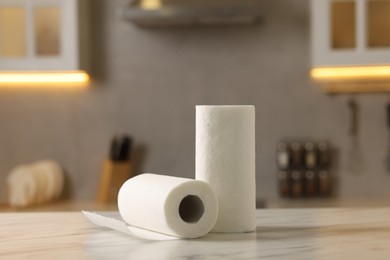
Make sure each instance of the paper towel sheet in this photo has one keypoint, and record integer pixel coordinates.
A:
(115, 222)
(225, 159)
(159, 207)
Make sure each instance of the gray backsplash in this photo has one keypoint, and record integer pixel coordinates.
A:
(147, 83)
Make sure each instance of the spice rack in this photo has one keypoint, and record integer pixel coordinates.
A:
(303, 169)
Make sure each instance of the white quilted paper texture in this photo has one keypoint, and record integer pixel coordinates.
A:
(225, 159)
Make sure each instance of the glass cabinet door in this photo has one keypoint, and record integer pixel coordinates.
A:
(13, 34)
(47, 31)
(378, 23)
(343, 24)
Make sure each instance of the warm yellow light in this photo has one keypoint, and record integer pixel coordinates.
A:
(45, 78)
(150, 4)
(350, 73)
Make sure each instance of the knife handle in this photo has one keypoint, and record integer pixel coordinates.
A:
(121, 146)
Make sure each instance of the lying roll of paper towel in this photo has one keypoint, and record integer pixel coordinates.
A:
(225, 159)
(35, 183)
(170, 205)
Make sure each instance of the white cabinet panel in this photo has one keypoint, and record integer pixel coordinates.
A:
(46, 35)
(350, 33)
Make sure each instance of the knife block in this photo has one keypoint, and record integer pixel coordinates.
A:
(113, 175)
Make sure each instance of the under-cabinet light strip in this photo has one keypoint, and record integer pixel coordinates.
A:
(66, 77)
(335, 73)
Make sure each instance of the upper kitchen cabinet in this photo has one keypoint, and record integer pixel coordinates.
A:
(350, 40)
(43, 37)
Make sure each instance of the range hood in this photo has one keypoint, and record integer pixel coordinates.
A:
(165, 13)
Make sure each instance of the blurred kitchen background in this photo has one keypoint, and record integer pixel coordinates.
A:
(145, 82)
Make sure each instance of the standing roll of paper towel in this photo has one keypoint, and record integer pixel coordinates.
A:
(170, 205)
(225, 159)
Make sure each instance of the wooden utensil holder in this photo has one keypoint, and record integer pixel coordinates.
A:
(113, 175)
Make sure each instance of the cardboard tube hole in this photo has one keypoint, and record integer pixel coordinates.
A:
(191, 209)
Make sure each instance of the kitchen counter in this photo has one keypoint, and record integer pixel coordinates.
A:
(349, 233)
(63, 205)
(91, 205)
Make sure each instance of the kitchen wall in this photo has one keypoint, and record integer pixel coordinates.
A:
(147, 83)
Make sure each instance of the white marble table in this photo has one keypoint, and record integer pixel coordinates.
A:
(359, 233)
